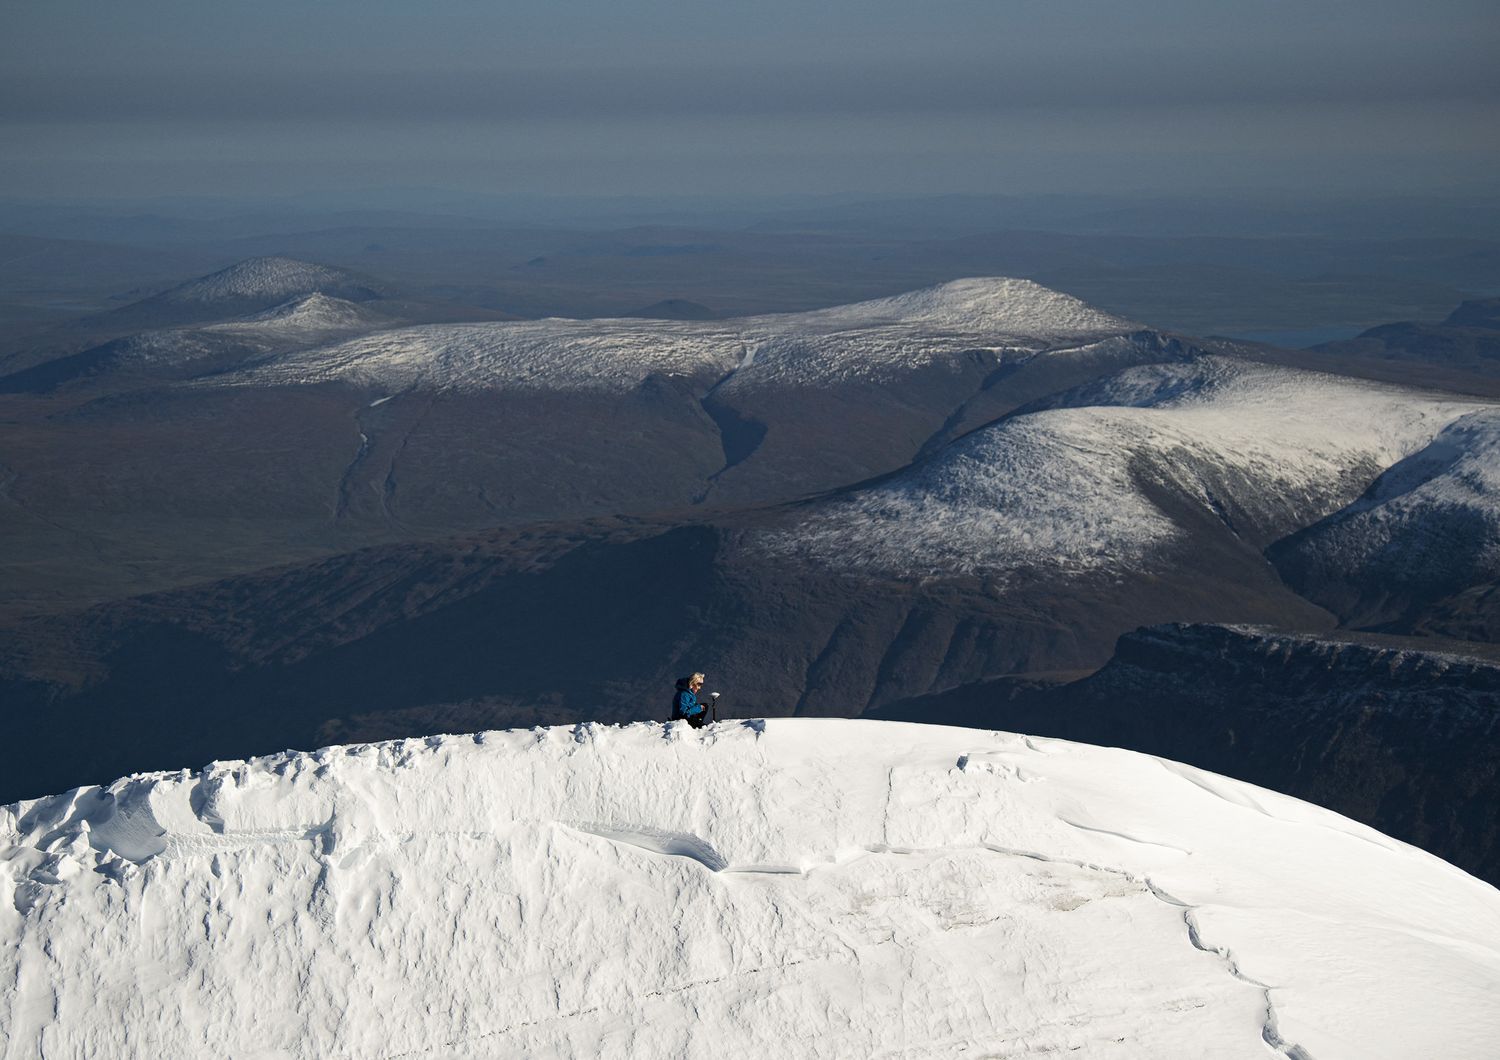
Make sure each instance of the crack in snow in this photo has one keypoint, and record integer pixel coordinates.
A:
(694, 848)
(1269, 1029)
(594, 1010)
(1122, 835)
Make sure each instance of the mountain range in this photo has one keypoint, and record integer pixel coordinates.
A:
(316, 522)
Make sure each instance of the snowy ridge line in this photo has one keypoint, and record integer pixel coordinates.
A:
(1331, 640)
(1059, 488)
(876, 340)
(604, 891)
(1431, 519)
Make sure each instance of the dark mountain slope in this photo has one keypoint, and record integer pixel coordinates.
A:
(673, 309)
(565, 623)
(1468, 341)
(1026, 546)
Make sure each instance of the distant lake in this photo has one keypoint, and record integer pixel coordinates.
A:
(1297, 338)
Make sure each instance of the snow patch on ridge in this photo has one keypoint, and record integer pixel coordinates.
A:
(1061, 488)
(749, 888)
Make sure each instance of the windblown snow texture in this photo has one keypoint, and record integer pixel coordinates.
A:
(797, 887)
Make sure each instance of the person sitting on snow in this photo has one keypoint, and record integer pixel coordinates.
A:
(685, 703)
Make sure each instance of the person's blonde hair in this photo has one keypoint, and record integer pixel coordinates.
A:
(696, 679)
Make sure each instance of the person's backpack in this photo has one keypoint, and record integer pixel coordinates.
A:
(682, 686)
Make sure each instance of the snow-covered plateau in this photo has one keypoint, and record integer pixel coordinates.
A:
(790, 887)
(1068, 487)
(873, 340)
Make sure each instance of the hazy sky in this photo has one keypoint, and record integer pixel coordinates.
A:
(668, 96)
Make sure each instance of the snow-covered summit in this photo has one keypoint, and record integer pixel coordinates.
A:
(311, 314)
(1063, 487)
(802, 887)
(1001, 304)
(314, 310)
(260, 278)
(875, 340)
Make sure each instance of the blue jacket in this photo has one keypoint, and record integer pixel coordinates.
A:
(684, 703)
